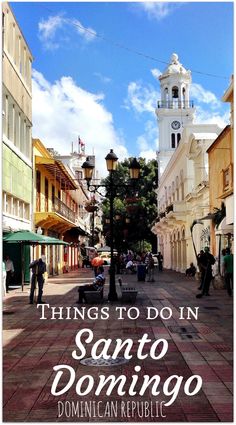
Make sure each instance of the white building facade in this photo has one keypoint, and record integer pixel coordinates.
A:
(183, 190)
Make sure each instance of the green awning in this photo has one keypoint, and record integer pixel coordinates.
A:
(48, 240)
(25, 236)
(31, 238)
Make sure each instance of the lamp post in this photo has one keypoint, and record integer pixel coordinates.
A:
(111, 162)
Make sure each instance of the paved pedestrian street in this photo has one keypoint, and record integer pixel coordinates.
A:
(33, 346)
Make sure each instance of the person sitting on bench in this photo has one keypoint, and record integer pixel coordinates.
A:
(191, 271)
(97, 285)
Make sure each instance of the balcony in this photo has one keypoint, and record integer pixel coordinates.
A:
(175, 104)
(62, 209)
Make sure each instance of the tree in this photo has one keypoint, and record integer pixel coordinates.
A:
(135, 207)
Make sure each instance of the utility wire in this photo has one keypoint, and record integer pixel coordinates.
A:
(121, 46)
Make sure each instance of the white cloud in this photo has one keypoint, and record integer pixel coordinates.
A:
(156, 73)
(102, 78)
(148, 141)
(204, 96)
(209, 117)
(62, 111)
(47, 30)
(141, 98)
(88, 33)
(51, 37)
(158, 10)
(148, 154)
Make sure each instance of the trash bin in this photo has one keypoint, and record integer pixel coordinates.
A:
(141, 272)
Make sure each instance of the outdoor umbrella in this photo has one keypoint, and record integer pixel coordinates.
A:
(26, 237)
(97, 261)
(48, 240)
(22, 236)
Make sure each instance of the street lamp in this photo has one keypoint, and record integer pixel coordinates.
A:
(111, 162)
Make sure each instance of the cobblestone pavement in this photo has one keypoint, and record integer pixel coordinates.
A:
(33, 346)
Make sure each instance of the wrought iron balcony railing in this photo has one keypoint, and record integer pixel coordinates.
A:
(175, 104)
(63, 209)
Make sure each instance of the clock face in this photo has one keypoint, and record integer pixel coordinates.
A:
(175, 125)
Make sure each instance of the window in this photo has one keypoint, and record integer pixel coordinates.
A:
(21, 209)
(173, 141)
(14, 42)
(79, 175)
(226, 179)
(38, 190)
(26, 212)
(3, 30)
(4, 114)
(46, 194)
(53, 195)
(178, 138)
(8, 204)
(15, 207)
(166, 96)
(4, 200)
(19, 55)
(175, 92)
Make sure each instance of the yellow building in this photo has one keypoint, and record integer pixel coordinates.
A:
(55, 211)
(221, 161)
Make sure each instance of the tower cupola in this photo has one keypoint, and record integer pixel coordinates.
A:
(174, 109)
(175, 82)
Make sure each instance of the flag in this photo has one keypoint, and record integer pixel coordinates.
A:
(81, 145)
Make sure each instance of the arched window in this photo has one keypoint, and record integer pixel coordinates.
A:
(177, 188)
(178, 138)
(166, 94)
(182, 185)
(175, 92)
(173, 140)
(173, 191)
(184, 96)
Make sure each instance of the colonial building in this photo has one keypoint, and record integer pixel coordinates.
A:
(56, 210)
(16, 134)
(221, 160)
(183, 190)
(89, 227)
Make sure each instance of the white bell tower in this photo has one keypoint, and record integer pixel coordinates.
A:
(174, 111)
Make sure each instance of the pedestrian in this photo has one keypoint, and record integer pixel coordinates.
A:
(160, 261)
(38, 269)
(191, 271)
(130, 267)
(223, 253)
(4, 276)
(9, 271)
(97, 284)
(228, 263)
(150, 268)
(201, 268)
(207, 261)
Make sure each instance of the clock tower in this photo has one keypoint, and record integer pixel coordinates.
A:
(174, 111)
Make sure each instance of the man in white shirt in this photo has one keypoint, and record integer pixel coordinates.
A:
(9, 270)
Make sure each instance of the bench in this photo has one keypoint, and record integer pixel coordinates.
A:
(92, 297)
(128, 294)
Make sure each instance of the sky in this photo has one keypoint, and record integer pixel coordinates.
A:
(96, 68)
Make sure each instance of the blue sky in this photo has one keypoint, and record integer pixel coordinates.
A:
(85, 83)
